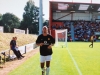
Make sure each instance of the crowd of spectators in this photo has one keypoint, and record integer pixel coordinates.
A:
(82, 29)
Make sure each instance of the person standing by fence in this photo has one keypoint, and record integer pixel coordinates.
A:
(18, 49)
(14, 48)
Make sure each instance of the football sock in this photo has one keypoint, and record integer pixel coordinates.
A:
(47, 70)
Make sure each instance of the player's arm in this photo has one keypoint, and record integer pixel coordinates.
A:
(40, 44)
(52, 43)
(38, 41)
(11, 44)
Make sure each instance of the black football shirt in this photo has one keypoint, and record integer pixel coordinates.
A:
(47, 40)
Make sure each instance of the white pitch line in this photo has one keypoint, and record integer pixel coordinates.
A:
(79, 71)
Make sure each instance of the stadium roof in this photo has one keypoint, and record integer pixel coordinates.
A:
(74, 7)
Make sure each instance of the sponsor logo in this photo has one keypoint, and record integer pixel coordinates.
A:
(48, 38)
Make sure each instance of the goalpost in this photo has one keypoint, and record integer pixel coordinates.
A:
(64, 33)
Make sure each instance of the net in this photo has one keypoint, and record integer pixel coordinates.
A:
(61, 38)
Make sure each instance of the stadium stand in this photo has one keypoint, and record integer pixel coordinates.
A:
(83, 29)
(80, 19)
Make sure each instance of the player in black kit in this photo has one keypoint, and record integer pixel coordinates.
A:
(45, 41)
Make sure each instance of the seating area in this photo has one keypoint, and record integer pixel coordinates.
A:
(82, 29)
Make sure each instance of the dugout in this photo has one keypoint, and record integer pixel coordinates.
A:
(60, 12)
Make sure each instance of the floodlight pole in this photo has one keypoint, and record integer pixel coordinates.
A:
(72, 1)
(72, 31)
(91, 1)
(40, 17)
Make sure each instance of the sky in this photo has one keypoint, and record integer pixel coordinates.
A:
(17, 6)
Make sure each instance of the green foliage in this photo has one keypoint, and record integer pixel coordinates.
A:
(1, 23)
(10, 21)
(30, 17)
(46, 23)
(0, 16)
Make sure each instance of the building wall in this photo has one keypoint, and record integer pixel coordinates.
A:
(81, 16)
(76, 16)
(95, 16)
(58, 15)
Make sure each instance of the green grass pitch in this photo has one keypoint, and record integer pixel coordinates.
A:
(76, 59)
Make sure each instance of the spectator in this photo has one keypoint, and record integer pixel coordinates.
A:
(14, 49)
(18, 49)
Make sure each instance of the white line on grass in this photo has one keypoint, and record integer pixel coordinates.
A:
(79, 71)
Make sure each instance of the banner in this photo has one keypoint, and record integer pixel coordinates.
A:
(21, 49)
(97, 33)
(19, 31)
(62, 6)
(1, 29)
(29, 47)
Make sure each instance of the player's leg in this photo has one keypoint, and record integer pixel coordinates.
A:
(16, 53)
(20, 54)
(92, 44)
(89, 45)
(48, 67)
(48, 59)
(42, 68)
(42, 63)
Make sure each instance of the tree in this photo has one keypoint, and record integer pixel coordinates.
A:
(0, 16)
(10, 21)
(30, 17)
(46, 23)
(1, 20)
